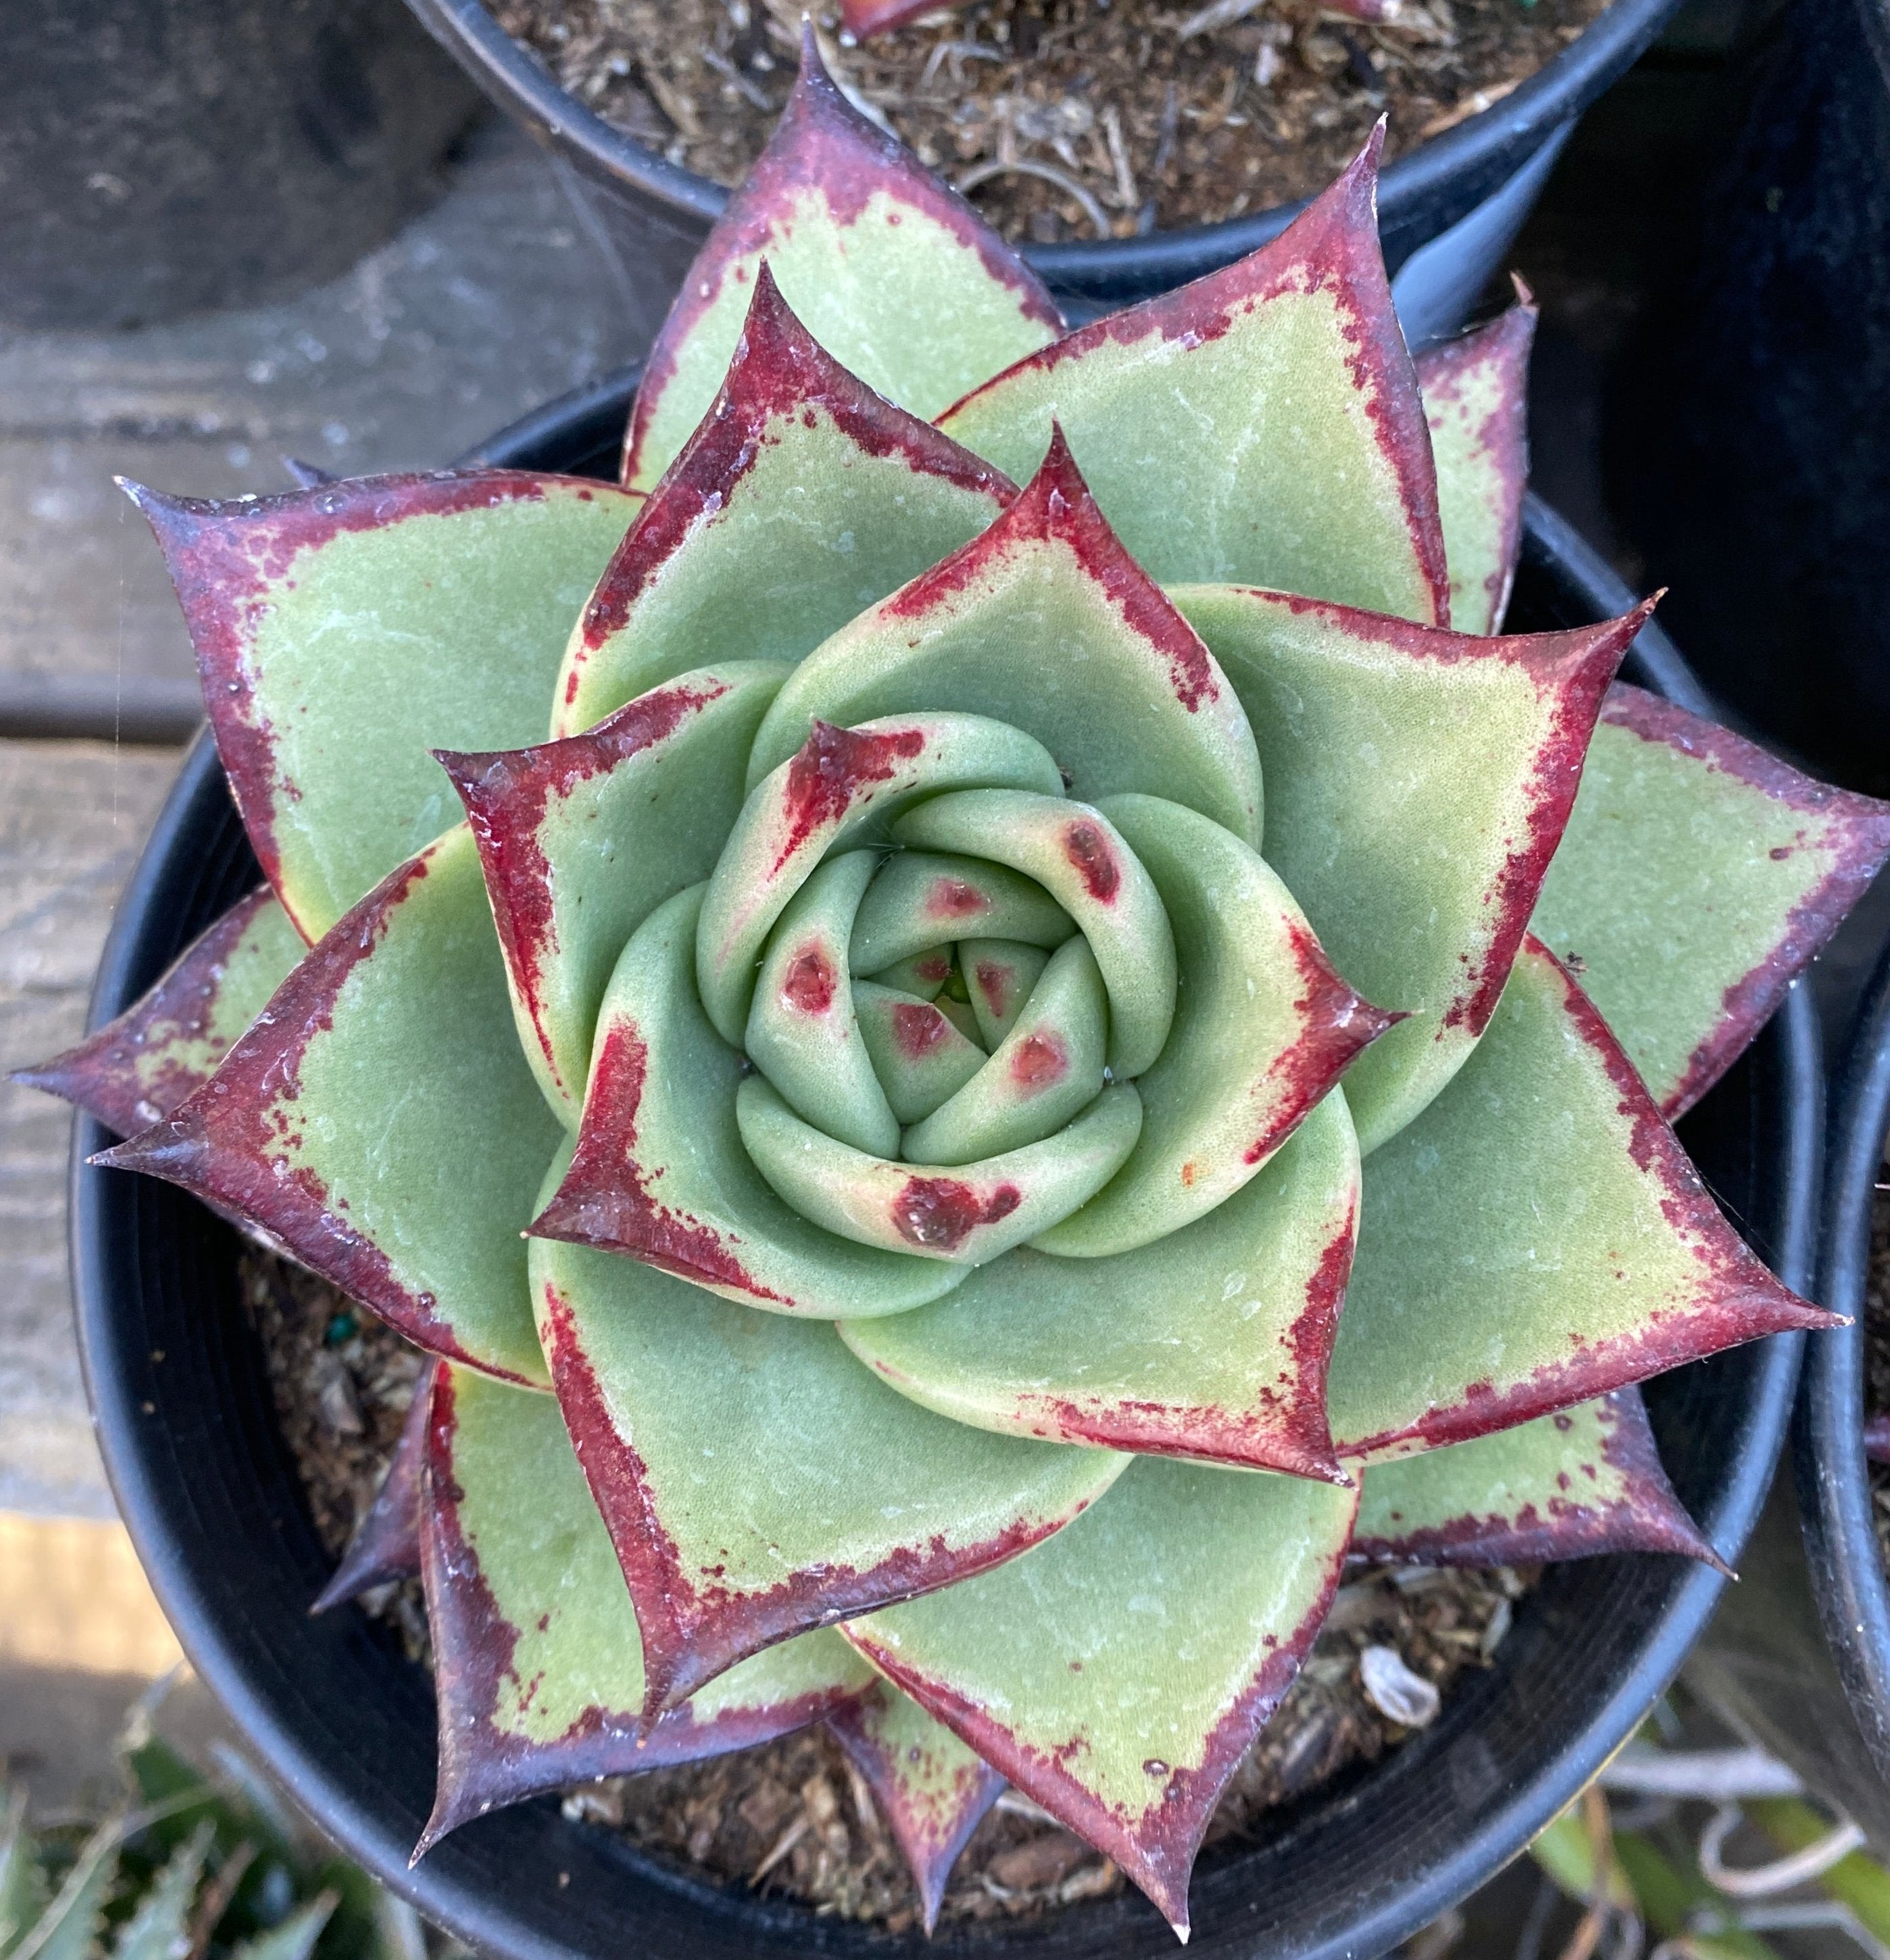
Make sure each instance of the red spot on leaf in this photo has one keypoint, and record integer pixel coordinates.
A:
(829, 770)
(1040, 1060)
(951, 898)
(917, 1028)
(809, 986)
(941, 1213)
(1088, 849)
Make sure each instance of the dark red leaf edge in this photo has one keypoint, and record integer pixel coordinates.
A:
(100, 1074)
(1647, 1517)
(1573, 668)
(779, 369)
(1503, 344)
(507, 794)
(480, 1769)
(386, 1542)
(693, 1631)
(1158, 1852)
(1334, 242)
(1287, 1433)
(823, 140)
(930, 1844)
(220, 556)
(1056, 507)
(1854, 829)
(218, 1144)
(1746, 1301)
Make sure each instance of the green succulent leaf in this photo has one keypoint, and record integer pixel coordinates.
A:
(69, 1926)
(538, 1664)
(802, 1031)
(848, 1496)
(1468, 751)
(1164, 1625)
(386, 1542)
(159, 1926)
(1585, 1480)
(932, 1788)
(660, 1171)
(842, 786)
(1080, 858)
(922, 899)
(582, 839)
(1210, 1342)
(803, 496)
(890, 268)
(1117, 685)
(1046, 1058)
(963, 1213)
(918, 1056)
(1536, 1238)
(1263, 1028)
(345, 632)
(23, 1888)
(1262, 425)
(139, 1067)
(1001, 975)
(413, 1202)
(1697, 877)
(1476, 400)
(295, 1939)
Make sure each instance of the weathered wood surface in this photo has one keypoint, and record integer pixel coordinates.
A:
(72, 816)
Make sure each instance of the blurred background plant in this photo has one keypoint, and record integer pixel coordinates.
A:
(1692, 1844)
(188, 1862)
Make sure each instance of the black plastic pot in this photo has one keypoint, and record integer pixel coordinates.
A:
(1481, 176)
(1801, 1653)
(1753, 471)
(157, 156)
(210, 1493)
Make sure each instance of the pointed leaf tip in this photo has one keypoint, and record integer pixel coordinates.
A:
(386, 1542)
(831, 186)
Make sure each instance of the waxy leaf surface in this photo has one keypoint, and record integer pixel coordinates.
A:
(895, 274)
(1211, 1343)
(1697, 876)
(379, 1120)
(1417, 783)
(1583, 1481)
(923, 898)
(963, 1213)
(139, 1067)
(660, 1171)
(1164, 1625)
(343, 633)
(918, 1056)
(802, 497)
(1262, 425)
(841, 786)
(386, 1542)
(1476, 400)
(1536, 1238)
(537, 1662)
(1082, 861)
(581, 839)
(757, 1481)
(932, 1789)
(1263, 1028)
(1114, 683)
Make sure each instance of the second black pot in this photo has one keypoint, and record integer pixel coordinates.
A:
(1800, 1654)
(209, 1491)
(1447, 212)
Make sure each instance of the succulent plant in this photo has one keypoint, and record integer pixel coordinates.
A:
(876, 1126)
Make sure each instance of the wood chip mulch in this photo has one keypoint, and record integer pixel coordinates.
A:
(792, 1817)
(1063, 120)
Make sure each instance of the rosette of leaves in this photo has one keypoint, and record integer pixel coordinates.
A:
(956, 1012)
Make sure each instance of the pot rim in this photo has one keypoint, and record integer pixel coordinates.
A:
(1454, 169)
(1831, 1470)
(148, 1471)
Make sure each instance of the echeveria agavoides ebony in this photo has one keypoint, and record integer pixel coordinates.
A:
(970, 1070)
